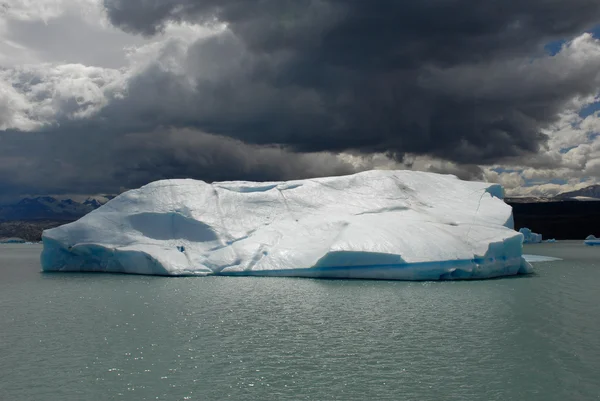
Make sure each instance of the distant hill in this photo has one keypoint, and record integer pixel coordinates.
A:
(566, 219)
(528, 199)
(568, 215)
(588, 193)
(49, 208)
(27, 230)
(29, 217)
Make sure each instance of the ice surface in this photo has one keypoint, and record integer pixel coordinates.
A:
(592, 240)
(529, 237)
(539, 258)
(377, 224)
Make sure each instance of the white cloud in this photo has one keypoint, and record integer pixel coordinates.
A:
(14, 109)
(509, 180)
(37, 95)
(572, 154)
(169, 50)
(44, 10)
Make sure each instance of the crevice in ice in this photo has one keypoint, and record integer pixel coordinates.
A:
(343, 226)
(383, 210)
(287, 206)
(229, 239)
(247, 188)
(232, 241)
(287, 187)
(220, 214)
(258, 255)
(467, 239)
(456, 274)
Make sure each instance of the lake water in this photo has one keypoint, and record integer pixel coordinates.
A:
(122, 337)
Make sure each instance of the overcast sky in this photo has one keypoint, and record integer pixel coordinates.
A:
(99, 96)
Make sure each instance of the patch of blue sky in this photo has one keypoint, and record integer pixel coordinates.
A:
(554, 47)
(565, 150)
(589, 109)
(539, 181)
(501, 170)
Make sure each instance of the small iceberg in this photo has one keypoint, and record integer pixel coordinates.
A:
(591, 240)
(529, 237)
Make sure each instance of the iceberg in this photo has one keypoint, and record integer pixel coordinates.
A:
(529, 237)
(400, 225)
(591, 240)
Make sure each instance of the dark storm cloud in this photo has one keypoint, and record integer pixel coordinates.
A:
(387, 30)
(396, 76)
(464, 81)
(66, 162)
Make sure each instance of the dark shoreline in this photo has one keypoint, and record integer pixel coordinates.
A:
(559, 220)
(29, 230)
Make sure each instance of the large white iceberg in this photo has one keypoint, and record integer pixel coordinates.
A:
(378, 224)
(591, 240)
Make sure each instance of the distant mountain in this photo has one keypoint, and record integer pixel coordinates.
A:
(49, 208)
(563, 216)
(26, 230)
(588, 193)
(591, 193)
(567, 219)
(528, 199)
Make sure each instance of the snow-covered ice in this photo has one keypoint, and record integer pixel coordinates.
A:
(378, 224)
(592, 240)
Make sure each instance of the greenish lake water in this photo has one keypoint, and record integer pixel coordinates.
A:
(122, 337)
